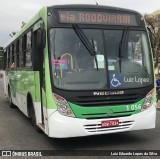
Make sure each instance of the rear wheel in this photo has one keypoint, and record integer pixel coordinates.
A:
(10, 99)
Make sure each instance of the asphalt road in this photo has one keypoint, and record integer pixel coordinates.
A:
(16, 133)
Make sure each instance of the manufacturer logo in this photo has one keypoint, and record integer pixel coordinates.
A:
(107, 93)
(110, 112)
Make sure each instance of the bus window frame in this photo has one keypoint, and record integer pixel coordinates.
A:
(88, 26)
(26, 49)
(8, 58)
(17, 53)
(9, 47)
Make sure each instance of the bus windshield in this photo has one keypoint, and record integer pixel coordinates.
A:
(123, 58)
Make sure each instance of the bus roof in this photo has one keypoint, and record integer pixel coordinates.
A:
(40, 14)
(84, 6)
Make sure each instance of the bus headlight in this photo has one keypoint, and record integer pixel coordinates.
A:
(63, 106)
(148, 100)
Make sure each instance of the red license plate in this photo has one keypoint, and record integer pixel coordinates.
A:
(109, 123)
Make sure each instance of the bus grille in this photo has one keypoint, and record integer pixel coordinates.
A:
(105, 115)
(106, 100)
(97, 127)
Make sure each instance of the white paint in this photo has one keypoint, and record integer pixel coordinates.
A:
(21, 102)
(47, 113)
(63, 127)
(37, 108)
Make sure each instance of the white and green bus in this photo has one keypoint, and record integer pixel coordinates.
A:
(80, 70)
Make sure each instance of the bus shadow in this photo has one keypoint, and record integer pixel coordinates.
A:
(98, 142)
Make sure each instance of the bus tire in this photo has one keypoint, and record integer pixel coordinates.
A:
(33, 118)
(11, 105)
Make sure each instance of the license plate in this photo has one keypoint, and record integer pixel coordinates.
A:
(109, 123)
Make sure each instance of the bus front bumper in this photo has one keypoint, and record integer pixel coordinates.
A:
(64, 127)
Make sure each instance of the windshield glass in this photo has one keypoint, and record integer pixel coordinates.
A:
(74, 68)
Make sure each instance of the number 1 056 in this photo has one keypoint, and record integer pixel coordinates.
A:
(134, 107)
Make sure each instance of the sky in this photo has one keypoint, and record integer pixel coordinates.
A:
(14, 12)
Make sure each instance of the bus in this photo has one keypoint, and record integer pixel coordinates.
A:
(81, 70)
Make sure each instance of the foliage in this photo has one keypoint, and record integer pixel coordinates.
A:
(154, 27)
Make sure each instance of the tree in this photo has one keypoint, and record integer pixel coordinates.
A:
(154, 27)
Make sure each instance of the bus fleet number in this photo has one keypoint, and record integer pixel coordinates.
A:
(134, 107)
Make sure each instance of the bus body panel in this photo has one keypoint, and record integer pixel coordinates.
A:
(82, 127)
(107, 111)
(26, 84)
(50, 104)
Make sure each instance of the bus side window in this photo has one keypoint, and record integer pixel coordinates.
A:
(20, 52)
(10, 56)
(24, 49)
(12, 53)
(5, 59)
(28, 49)
(37, 50)
(17, 52)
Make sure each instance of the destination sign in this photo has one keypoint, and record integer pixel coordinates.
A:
(105, 18)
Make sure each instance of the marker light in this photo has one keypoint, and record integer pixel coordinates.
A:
(63, 106)
(148, 100)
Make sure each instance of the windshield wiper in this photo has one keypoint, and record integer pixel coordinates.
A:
(89, 46)
(122, 46)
